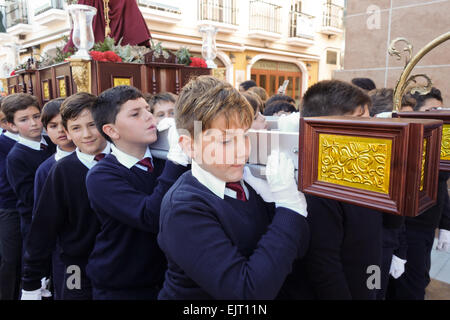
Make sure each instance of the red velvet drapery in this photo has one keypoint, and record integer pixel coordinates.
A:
(126, 21)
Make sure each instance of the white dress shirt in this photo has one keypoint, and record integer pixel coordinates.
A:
(129, 161)
(88, 159)
(14, 136)
(214, 184)
(60, 153)
(35, 145)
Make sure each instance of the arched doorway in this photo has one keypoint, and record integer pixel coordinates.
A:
(271, 74)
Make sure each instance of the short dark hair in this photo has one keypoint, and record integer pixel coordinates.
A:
(420, 99)
(72, 107)
(278, 106)
(50, 110)
(18, 101)
(109, 103)
(280, 97)
(248, 84)
(382, 101)
(364, 83)
(333, 97)
(162, 96)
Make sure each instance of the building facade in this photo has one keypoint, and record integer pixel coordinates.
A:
(265, 40)
(371, 26)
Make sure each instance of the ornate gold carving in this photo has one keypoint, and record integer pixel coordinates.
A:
(121, 82)
(62, 88)
(445, 145)
(4, 83)
(358, 162)
(424, 158)
(46, 89)
(81, 73)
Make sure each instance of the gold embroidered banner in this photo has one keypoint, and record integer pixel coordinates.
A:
(122, 81)
(358, 162)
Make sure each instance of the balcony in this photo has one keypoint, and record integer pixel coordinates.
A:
(301, 29)
(218, 13)
(50, 13)
(17, 18)
(333, 20)
(264, 22)
(160, 12)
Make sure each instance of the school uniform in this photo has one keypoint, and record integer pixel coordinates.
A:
(21, 165)
(63, 216)
(392, 244)
(10, 237)
(126, 262)
(345, 241)
(221, 247)
(57, 266)
(420, 233)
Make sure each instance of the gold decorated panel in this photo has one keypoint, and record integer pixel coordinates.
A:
(422, 172)
(121, 82)
(357, 162)
(445, 146)
(62, 88)
(46, 89)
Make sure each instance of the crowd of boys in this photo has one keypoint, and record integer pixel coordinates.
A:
(88, 206)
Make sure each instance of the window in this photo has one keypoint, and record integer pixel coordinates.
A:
(332, 57)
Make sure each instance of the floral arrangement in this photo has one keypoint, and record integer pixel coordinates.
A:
(198, 62)
(107, 56)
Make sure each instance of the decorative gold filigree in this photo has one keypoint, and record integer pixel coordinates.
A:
(62, 88)
(358, 162)
(424, 158)
(121, 81)
(445, 145)
(422, 90)
(394, 52)
(81, 72)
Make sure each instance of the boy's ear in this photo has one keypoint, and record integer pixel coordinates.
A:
(110, 130)
(13, 126)
(187, 144)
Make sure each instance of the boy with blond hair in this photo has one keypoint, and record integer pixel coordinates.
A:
(222, 240)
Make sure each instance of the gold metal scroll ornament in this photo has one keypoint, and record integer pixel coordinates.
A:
(358, 162)
(402, 82)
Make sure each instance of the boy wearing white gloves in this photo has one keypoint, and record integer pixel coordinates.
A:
(221, 239)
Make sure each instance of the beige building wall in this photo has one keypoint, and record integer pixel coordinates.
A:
(372, 25)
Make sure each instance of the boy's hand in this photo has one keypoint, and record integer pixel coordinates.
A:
(44, 285)
(397, 267)
(175, 153)
(444, 240)
(259, 185)
(280, 176)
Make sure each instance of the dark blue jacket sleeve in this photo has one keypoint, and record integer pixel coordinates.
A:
(47, 221)
(111, 194)
(21, 179)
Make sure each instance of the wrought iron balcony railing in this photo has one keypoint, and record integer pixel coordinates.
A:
(301, 25)
(222, 11)
(16, 12)
(264, 16)
(333, 16)
(53, 4)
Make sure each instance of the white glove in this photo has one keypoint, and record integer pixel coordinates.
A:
(387, 114)
(280, 176)
(444, 240)
(44, 285)
(397, 267)
(175, 153)
(32, 295)
(289, 123)
(259, 185)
